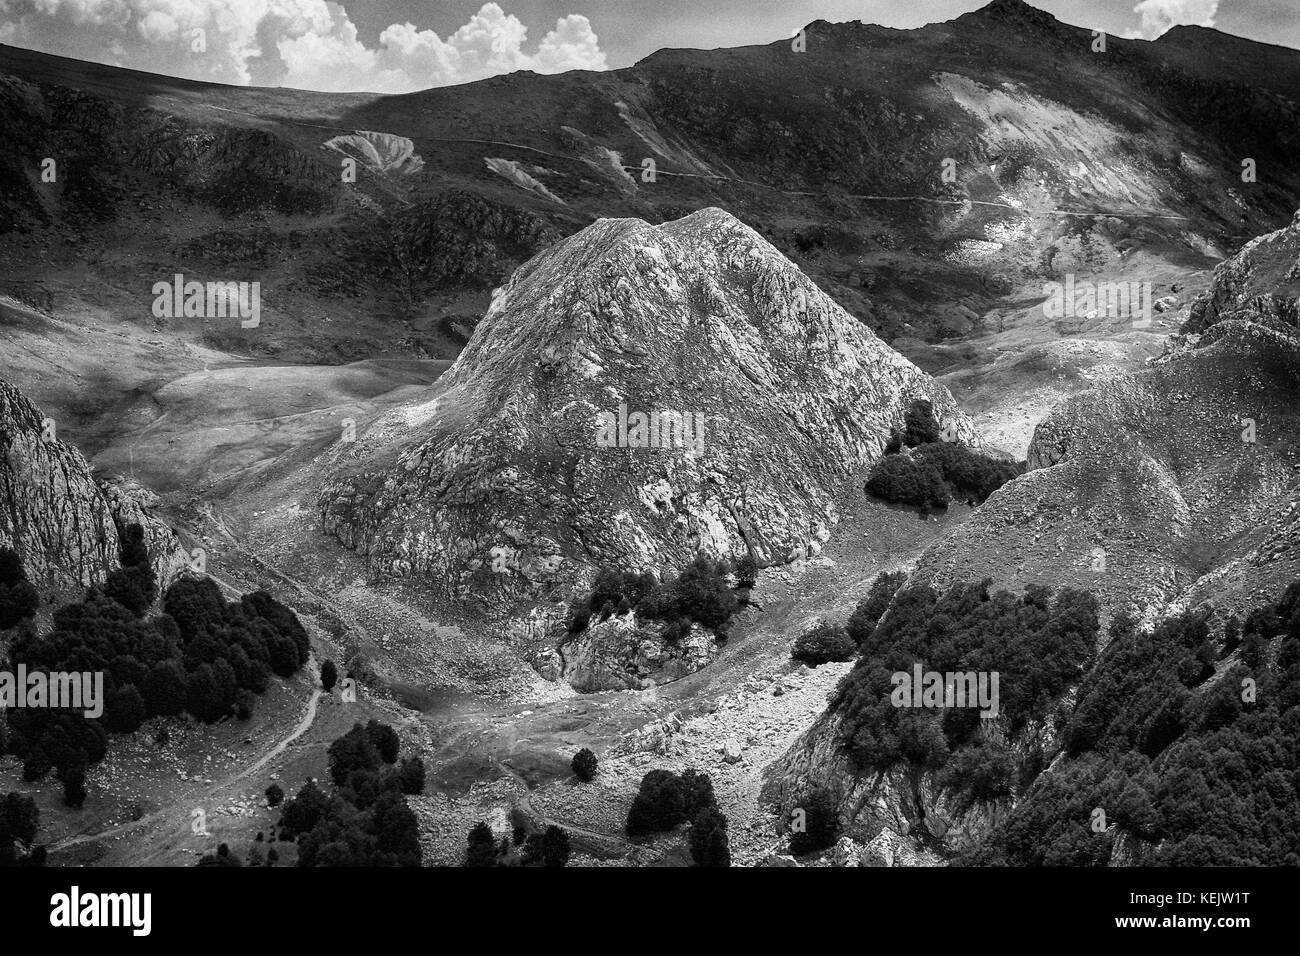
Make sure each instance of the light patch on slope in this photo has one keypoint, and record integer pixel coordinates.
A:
(382, 152)
(639, 122)
(512, 171)
(1085, 148)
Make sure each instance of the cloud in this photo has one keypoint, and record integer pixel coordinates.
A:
(1159, 15)
(311, 44)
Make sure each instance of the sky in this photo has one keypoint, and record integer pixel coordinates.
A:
(397, 46)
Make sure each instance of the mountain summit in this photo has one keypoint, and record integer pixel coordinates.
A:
(552, 446)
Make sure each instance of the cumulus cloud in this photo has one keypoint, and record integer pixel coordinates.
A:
(1159, 15)
(311, 44)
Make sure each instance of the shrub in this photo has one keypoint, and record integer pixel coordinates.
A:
(410, 775)
(329, 676)
(274, 795)
(584, 765)
(825, 642)
(818, 825)
(709, 844)
(862, 622)
(18, 599)
(659, 805)
(481, 847)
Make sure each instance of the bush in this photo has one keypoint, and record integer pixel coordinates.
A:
(410, 776)
(584, 765)
(659, 805)
(709, 844)
(824, 643)
(817, 827)
(938, 473)
(481, 847)
(18, 599)
(274, 795)
(862, 622)
(329, 676)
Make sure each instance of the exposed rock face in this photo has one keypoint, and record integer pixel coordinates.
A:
(1145, 491)
(63, 524)
(503, 481)
(623, 653)
(898, 801)
(1149, 485)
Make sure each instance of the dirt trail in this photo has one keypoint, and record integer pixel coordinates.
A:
(303, 726)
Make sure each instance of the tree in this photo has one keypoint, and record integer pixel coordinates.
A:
(329, 676)
(555, 847)
(124, 710)
(709, 844)
(824, 643)
(74, 786)
(584, 765)
(816, 827)
(165, 689)
(659, 805)
(482, 847)
(18, 599)
(746, 571)
(384, 739)
(274, 795)
(410, 775)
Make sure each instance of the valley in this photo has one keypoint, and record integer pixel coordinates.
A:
(401, 450)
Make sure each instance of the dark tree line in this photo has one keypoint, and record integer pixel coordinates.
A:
(1187, 738)
(935, 472)
(200, 655)
(701, 594)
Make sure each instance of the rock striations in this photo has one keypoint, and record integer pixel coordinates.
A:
(530, 463)
(61, 521)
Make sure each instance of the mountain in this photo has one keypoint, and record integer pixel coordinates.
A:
(64, 524)
(1168, 492)
(1163, 485)
(520, 471)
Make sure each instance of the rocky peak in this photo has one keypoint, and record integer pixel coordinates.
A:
(62, 522)
(553, 444)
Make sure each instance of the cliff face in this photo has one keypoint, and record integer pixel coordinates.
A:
(61, 521)
(518, 473)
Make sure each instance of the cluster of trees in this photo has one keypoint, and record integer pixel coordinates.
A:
(19, 821)
(701, 594)
(526, 847)
(936, 472)
(824, 642)
(666, 799)
(366, 821)
(18, 598)
(1040, 643)
(201, 655)
(1183, 737)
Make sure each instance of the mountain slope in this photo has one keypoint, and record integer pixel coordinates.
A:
(499, 480)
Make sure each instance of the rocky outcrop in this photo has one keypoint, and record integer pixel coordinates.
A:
(1146, 487)
(522, 470)
(62, 522)
(910, 805)
(1167, 489)
(624, 653)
